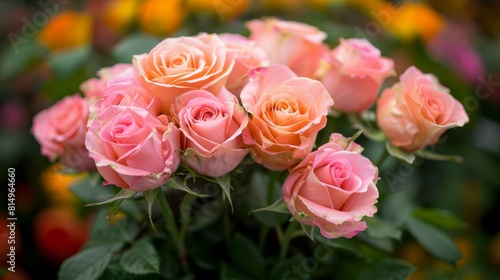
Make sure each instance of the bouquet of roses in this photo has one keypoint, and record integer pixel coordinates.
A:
(250, 116)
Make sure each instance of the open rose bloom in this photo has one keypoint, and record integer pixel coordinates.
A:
(333, 189)
(61, 129)
(287, 112)
(178, 65)
(353, 73)
(298, 45)
(133, 149)
(211, 131)
(415, 112)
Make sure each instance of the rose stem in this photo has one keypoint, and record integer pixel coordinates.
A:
(382, 158)
(264, 230)
(172, 229)
(286, 239)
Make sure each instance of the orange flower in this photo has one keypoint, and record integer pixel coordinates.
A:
(414, 20)
(161, 17)
(65, 30)
(56, 184)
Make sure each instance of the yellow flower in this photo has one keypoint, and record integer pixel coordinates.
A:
(224, 9)
(160, 17)
(65, 30)
(119, 14)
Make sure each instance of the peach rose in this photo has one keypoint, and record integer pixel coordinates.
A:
(286, 114)
(332, 189)
(178, 65)
(353, 73)
(298, 45)
(415, 112)
(60, 131)
(95, 87)
(211, 131)
(133, 149)
(248, 56)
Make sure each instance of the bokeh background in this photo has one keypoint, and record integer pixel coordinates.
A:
(49, 47)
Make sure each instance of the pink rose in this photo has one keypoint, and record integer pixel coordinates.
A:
(353, 73)
(125, 91)
(286, 114)
(343, 143)
(60, 131)
(95, 87)
(178, 65)
(415, 112)
(332, 189)
(211, 128)
(248, 56)
(298, 45)
(133, 149)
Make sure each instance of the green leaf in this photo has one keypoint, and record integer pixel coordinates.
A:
(116, 271)
(435, 241)
(384, 244)
(283, 269)
(378, 228)
(104, 232)
(66, 62)
(134, 44)
(347, 245)
(229, 273)
(435, 156)
(123, 194)
(278, 206)
(90, 189)
(14, 60)
(398, 153)
(440, 217)
(206, 213)
(150, 197)
(256, 197)
(177, 184)
(397, 207)
(224, 182)
(203, 250)
(88, 264)
(142, 258)
(245, 256)
(387, 269)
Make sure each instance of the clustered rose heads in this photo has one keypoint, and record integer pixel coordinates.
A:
(208, 101)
